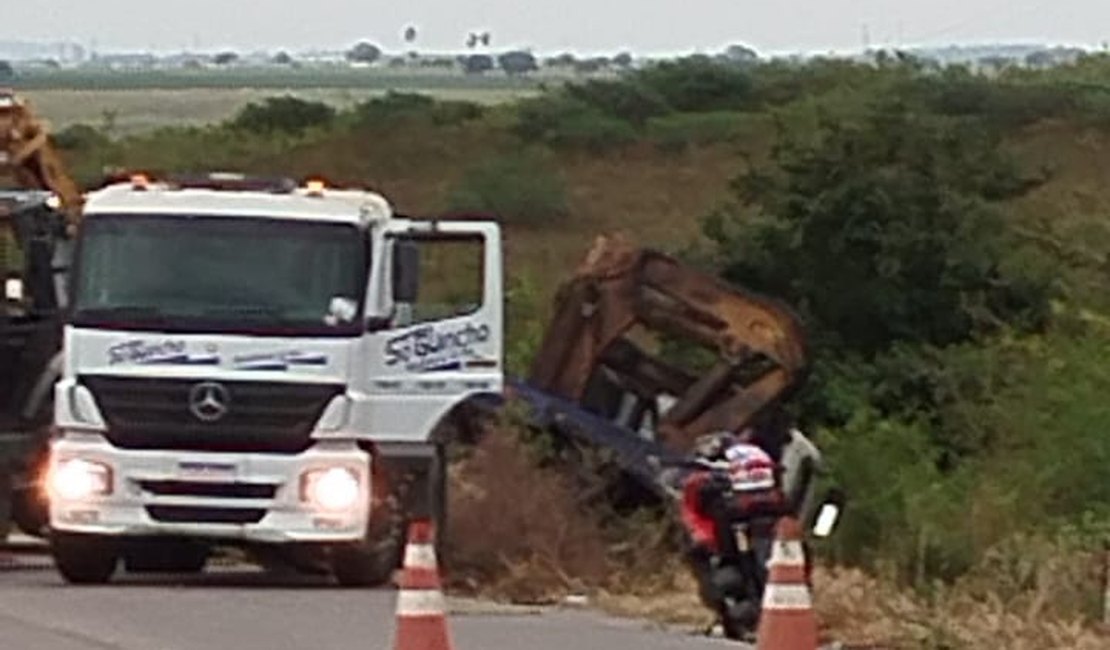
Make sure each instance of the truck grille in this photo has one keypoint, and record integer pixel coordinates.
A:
(197, 515)
(204, 489)
(267, 417)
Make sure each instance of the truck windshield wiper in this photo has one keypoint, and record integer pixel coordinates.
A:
(125, 312)
(249, 311)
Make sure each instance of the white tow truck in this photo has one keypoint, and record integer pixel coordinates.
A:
(262, 364)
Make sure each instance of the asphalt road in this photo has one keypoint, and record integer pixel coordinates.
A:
(240, 608)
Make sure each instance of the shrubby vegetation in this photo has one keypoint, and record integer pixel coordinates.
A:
(960, 346)
(286, 114)
(951, 387)
(522, 187)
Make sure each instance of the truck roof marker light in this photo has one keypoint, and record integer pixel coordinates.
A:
(315, 187)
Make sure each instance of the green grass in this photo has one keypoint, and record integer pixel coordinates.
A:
(131, 111)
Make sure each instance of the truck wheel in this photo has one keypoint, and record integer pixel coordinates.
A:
(438, 496)
(372, 561)
(84, 559)
(5, 503)
(30, 509)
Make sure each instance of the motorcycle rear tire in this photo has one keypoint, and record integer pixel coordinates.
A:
(740, 620)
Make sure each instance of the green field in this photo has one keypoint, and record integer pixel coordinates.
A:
(133, 111)
(131, 102)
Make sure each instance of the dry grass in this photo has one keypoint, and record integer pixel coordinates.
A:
(861, 611)
(520, 534)
(516, 531)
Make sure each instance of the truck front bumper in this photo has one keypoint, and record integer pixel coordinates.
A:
(220, 496)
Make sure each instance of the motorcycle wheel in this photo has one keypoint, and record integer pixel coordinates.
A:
(740, 620)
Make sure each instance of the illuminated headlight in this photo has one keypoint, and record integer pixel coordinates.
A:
(77, 479)
(334, 489)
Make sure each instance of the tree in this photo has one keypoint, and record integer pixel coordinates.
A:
(7, 72)
(741, 54)
(477, 63)
(884, 230)
(631, 102)
(1040, 59)
(594, 64)
(410, 34)
(364, 52)
(225, 58)
(283, 58)
(564, 60)
(623, 60)
(286, 114)
(696, 84)
(519, 62)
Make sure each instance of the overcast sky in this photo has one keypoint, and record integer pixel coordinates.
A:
(655, 26)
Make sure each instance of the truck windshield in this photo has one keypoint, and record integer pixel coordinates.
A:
(219, 274)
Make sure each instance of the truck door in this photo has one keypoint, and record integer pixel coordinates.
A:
(438, 338)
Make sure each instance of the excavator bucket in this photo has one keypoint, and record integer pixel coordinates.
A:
(591, 353)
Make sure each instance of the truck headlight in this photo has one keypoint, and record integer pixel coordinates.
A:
(77, 479)
(334, 489)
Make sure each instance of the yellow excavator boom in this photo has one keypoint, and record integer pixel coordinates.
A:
(28, 159)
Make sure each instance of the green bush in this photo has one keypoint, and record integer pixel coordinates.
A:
(1004, 104)
(286, 114)
(522, 187)
(882, 221)
(680, 130)
(1007, 450)
(592, 132)
(81, 137)
(569, 123)
(627, 100)
(453, 113)
(698, 84)
(885, 230)
(395, 106)
(525, 321)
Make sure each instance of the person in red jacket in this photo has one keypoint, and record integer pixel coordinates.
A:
(738, 480)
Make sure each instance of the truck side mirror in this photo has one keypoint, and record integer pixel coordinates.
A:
(406, 271)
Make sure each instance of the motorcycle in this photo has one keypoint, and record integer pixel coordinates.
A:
(730, 520)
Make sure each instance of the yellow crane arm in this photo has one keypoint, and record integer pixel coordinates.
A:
(29, 159)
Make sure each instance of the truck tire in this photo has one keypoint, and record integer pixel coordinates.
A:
(372, 561)
(30, 510)
(84, 559)
(5, 503)
(437, 486)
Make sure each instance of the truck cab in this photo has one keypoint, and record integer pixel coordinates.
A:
(266, 365)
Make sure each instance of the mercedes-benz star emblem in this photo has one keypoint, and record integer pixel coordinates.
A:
(209, 401)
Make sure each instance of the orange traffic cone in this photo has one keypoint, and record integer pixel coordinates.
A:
(788, 621)
(421, 607)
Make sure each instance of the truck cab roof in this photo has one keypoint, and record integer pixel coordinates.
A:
(310, 202)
